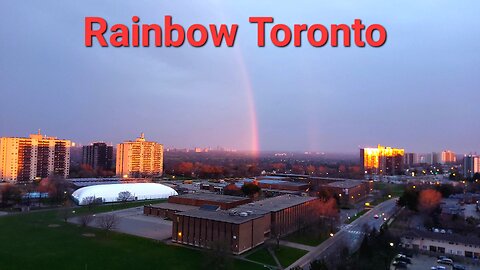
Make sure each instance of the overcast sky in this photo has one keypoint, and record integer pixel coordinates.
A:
(419, 91)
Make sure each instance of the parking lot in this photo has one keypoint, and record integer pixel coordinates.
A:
(423, 262)
(133, 221)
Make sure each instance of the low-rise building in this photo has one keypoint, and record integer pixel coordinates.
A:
(348, 191)
(244, 227)
(442, 243)
(198, 199)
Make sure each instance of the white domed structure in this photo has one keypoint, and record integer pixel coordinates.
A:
(110, 192)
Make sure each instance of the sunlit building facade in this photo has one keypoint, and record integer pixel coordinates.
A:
(471, 165)
(382, 160)
(448, 157)
(139, 158)
(35, 157)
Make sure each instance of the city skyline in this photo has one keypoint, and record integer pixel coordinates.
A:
(246, 98)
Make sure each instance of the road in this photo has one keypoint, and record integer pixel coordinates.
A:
(350, 235)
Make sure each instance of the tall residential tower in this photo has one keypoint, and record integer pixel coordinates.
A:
(382, 160)
(139, 158)
(98, 155)
(35, 157)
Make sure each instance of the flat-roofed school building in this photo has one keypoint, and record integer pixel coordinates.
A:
(244, 227)
(186, 202)
(199, 199)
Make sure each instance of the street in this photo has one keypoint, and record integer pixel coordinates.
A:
(350, 236)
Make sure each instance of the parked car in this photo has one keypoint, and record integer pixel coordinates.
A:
(446, 261)
(375, 216)
(403, 259)
(459, 267)
(438, 267)
(399, 264)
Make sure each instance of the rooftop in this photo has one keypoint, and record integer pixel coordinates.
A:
(221, 215)
(211, 197)
(254, 210)
(447, 237)
(275, 204)
(174, 206)
(345, 184)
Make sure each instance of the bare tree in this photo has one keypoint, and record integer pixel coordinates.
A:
(107, 222)
(90, 202)
(124, 196)
(218, 257)
(85, 220)
(10, 194)
(66, 211)
(276, 234)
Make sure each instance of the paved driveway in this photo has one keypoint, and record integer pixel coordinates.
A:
(133, 221)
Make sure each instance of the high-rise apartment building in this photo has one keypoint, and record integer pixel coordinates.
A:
(382, 160)
(139, 158)
(448, 157)
(98, 155)
(471, 165)
(38, 156)
(410, 159)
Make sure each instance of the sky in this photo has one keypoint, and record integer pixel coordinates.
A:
(419, 91)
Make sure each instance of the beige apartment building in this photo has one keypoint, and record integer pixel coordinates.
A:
(139, 158)
(35, 157)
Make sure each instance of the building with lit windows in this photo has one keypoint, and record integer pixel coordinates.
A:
(35, 157)
(448, 157)
(471, 165)
(139, 158)
(382, 160)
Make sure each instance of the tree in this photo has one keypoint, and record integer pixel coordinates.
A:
(91, 201)
(107, 222)
(318, 265)
(10, 194)
(250, 189)
(56, 187)
(65, 212)
(125, 196)
(409, 199)
(310, 169)
(85, 220)
(446, 190)
(429, 200)
(218, 256)
(476, 176)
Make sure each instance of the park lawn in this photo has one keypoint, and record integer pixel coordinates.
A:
(306, 238)
(285, 255)
(288, 255)
(396, 190)
(262, 256)
(28, 242)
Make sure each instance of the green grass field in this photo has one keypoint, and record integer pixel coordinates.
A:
(286, 256)
(307, 238)
(32, 241)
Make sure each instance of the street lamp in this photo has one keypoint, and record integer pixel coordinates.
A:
(391, 244)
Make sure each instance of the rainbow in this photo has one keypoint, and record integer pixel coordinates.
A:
(247, 83)
(252, 112)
